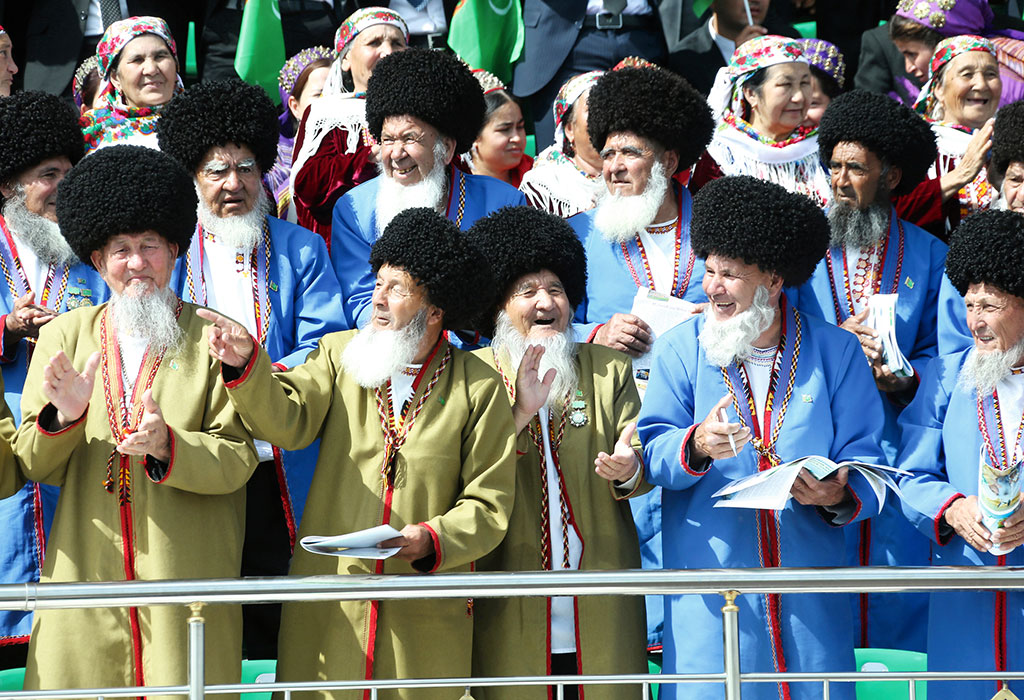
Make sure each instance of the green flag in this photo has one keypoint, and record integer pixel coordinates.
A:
(260, 52)
(488, 34)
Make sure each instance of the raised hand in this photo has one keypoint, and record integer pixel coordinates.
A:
(229, 342)
(26, 318)
(151, 436)
(66, 389)
(711, 438)
(622, 463)
(531, 390)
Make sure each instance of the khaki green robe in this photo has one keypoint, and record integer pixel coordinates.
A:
(511, 634)
(455, 475)
(187, 525)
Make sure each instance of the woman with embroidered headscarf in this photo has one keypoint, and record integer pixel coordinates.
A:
(566, 177)
(300, 81)
(138, 63)
(334, 151)
(919, 25)
(498, 150)
(959, 100)
(760, 101)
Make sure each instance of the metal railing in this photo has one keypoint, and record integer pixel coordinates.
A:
(729, 583)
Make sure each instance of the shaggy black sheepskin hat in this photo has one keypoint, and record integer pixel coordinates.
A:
(654, 104)
(988, 247)
(761, 224)
(35, 126)
(893, 132)
(439, 256)
(522, 240)
(126, 189)
(217, 113)
(430, 85)
(1007, 140)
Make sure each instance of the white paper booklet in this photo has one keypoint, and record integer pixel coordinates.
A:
(882, 317)
(769, 490)
(661, 312)
(362, 544)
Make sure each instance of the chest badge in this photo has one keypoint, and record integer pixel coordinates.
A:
(577, 413)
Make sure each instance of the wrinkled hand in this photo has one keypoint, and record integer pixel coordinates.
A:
(865, 334)
(26, 318)
(626, 333)
(229, 342)
(531, 390)
(809, 491)
(886, 381)
(971, 163)
(1011, 534)
(622, 463)
(749, 32)
(151, 437)
(711, 438)
(66, 389)
(964, 516)
(415, 543)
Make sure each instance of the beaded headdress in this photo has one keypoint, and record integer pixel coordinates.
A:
(825, 57)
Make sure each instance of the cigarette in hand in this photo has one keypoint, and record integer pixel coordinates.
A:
(732, 440)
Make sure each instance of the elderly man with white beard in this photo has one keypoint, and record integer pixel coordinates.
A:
(575, 407)
(424, 108)
(781, 384)
(649, 125)
(126, 412)
(40, 140)
(968, 411)
(415, 434)
(273, 276)
(876, 148)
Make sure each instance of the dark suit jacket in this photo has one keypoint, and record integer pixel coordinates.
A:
(881, 67)
(349, 6)
(54, 37)
(698, 58)
(552, 28)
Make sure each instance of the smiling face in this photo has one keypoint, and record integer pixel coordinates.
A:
(537, 306)
(229, 180)
(146, 72)
(40, 186)
(397, 298)
(780, 104)
(7, 66)
(994, 317)
(856, 175)
(369, 46)
(502, 140)
(730, 285)
(135, 264)
(407, 148)
(970, 89)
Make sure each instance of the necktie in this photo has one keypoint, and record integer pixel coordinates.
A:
(110, 11)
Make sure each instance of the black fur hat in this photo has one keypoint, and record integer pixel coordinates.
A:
(429, 85)
(654, 104)
(893, 132)
(988, 247)
(439, 256)
(1007, 140)
(217, 113)
(126, 189)
(522, 240)
(761, 224)
(35, 126)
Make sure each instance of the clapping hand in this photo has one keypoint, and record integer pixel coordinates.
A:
(621, 464)
(66, 389)
(531, 390)
(151, 436)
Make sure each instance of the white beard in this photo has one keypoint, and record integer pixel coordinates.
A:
(559, 354)
(620, 217)
(40, 234)
(394, 198)
(982, 371)
(148, 315)
(857, 228)
(731, 340)
(240, 232)
(374, 355)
